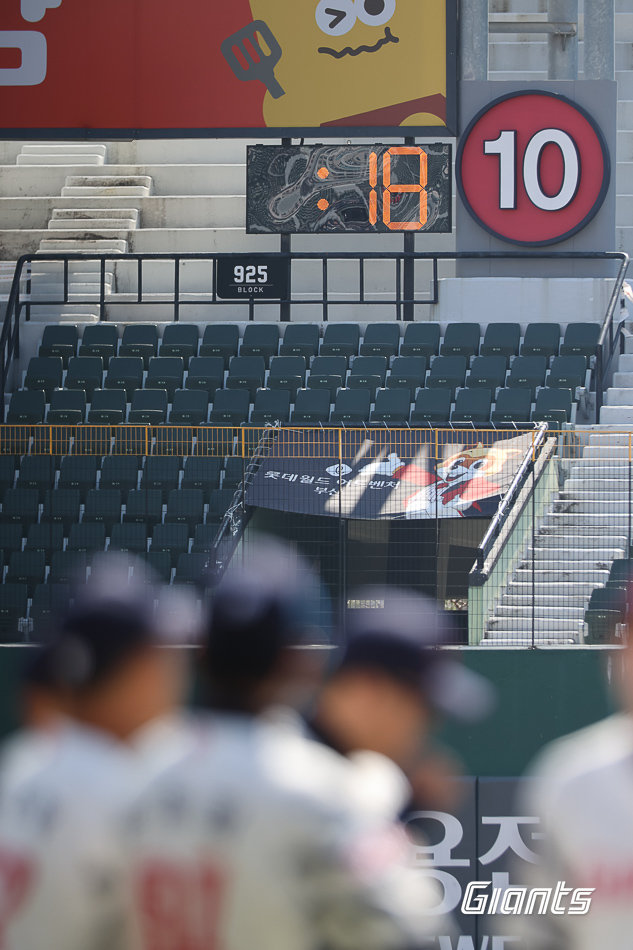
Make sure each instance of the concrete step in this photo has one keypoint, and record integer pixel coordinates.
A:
(563, 575)
(103, 191)
(592, 522)
(604, 450)
(545, 625)
(617, 414)
(60, 159)
(109, 181)
(619, 395)
(597, 483)
(593, 496)
(83, 247)
(117, 233)
(590, 559)
(623, 379)
(560, 541)
(557, 592)
(98, 212)
(92, 224)
(625, 363)
(570, 613)
(508, 639)
(52, 148)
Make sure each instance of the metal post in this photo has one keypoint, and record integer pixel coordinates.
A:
(600, 39)
(563, 50)
(473, 29)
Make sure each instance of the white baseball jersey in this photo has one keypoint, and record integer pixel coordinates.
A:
(250, 842)
(583, 793)
(62, 795)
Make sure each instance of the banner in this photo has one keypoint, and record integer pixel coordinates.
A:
(74, 67)
(393, 475)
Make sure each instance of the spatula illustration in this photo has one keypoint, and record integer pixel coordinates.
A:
(259, 65)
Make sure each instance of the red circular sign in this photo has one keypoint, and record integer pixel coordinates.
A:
(533, 168)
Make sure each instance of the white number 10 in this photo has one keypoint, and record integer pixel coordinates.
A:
(505, 146)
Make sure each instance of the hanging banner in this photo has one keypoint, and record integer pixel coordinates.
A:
(395, 475)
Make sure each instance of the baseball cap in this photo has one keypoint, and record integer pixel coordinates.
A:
(400, 633)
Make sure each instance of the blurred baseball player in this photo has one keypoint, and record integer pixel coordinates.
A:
(257, 837)
(61, 868)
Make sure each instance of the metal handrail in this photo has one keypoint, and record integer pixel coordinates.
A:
(607, 332)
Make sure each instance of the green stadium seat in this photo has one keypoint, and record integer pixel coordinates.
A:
(247, 373)
(68, 567)
(20, 506)
(125, 372)
(230, 407)
(203, 473)
(143, 507)
(37, 472)
(340, 339)
(487, 372)
(100, 340)
(461, 339)
(61, 506)
(68, 407)
(581, 339)
(351, 407)
(233, 472)
(567, 372)
(541, 339)
(48, 599)
(148, 407)
(501, 339)
(381, 339)
(601, 625)
(119, 471)
(553, 405)
(132, 440)
(78, 471)
(260, 339)
(447, 372)
(45, 537)
(159, 563)
(130, 538)
(312, 407)
(527, 372)
(185, 506)
(220, 339)
(170, 539)
(203, 538)
(620, 570)
(11, 537)
(161, 473)
(8, 465)
(219, 503)
(180, 339)
(328, 372)
(300, 339)
(27, 567)
(611, 597)
(421, 339)
(85, 372)
(13, 605)
(107, 406)
(44, 372)
(165, 372)
(368, 372)
(103, 506)
(432, 407)
(88, 537)
(205, 373)
(191, 569)
(512, 405)
(190, 407)
(59, 340)
(392, 407)
(271, 406)
(407, 372)
(287, 373)
(140, 340)
(472, 405)
(26, 407)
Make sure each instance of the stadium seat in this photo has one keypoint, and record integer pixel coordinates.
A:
(180, 339)
(125, 372)
(541, 339)
(312, 407)
(37, 472)
(26, 407)
(351, 407)
(205, 373)
(88, 537)
(368, 372)
(247, 373)
(407, 372)
(203, 538)
(553, 405)
(219, 504)
(487, 372)
(501, 339)
(47, 600)
(527, 372)
(191, 568)
(381, 339)
(68, 567)
(461, 339)
(130, 538)
(27, 567)
(44, 537)
(567, 372)
(78, 471)
(107, 406)
(13, 604)
(165, 372)
(421, 339)
(621, 570)
(233, 472)
(581, 339)
(11, 537)
(131, 440)
(472, 405)
(300, 339)
(140, 340)
(447, 372)
(61, 506)
(85, 372)
(190, 407)
(328, 372)
(68, 407)
(601, 624)
(432, 407)
(148, 407)
(159, 562)
(185, 506)
(143, 506)
(230, 407)
(44, 372)
(59, 340)
(171, 539)
(340, 339)
(392, 407)
(8, 465)
(100, 340)
(271, 406)
(103, 506)
(20, 505)
(161, 473)
(287, 372)
(260, 339)
(201, 473)
(512, 405)
(119, 471)
(220, 339)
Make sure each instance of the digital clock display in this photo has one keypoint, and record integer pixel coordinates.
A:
(312, 189)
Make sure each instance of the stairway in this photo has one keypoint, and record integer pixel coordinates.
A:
(584, 530)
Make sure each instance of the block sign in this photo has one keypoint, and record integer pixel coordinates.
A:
(533, 168)
(252, 276)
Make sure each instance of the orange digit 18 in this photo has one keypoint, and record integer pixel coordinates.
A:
(391, 189)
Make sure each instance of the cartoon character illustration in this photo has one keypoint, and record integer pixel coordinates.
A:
(354, 62)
